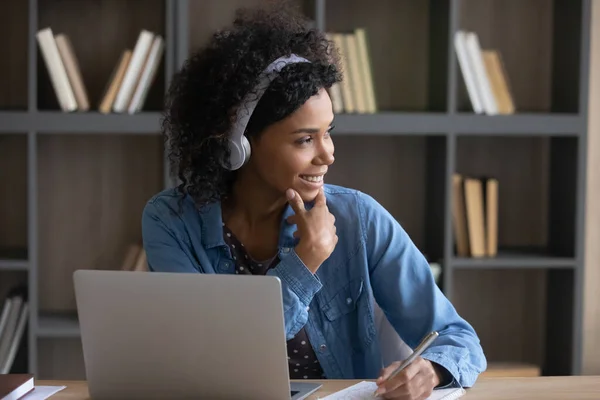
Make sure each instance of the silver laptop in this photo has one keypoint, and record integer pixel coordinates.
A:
(151, 335)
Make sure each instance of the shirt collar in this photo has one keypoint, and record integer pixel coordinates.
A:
(212, 226)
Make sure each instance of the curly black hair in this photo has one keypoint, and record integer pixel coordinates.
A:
(204, 95)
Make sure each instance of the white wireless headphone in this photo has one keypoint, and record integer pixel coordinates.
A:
(239, 145)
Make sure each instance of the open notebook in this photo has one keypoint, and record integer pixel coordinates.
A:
(364, 391)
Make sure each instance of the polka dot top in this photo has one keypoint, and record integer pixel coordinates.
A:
(302, 360)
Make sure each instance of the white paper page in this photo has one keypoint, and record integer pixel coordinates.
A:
(361, 391)
(364, 391)
(42, 392)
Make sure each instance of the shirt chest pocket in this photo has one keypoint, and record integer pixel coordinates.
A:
(348, 314)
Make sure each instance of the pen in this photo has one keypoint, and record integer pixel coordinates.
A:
(425, 343)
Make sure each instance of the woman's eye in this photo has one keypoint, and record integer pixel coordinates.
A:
(305, 140)
(330, 130)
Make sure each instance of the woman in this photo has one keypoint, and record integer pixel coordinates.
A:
(248, 122)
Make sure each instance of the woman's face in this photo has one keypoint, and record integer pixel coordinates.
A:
(296, 151)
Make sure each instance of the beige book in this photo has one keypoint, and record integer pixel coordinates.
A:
(131, 256)
(499, 81)
(356, 73)
(347, 89)
(114, 82)
(365, 66)
(459, 218)
(491, 220)
(71, 64)
(474, 203)
(141, 263)
(335, 92)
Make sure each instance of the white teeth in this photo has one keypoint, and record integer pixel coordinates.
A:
(312, 178)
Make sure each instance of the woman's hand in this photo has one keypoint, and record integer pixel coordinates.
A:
(315, 228)
(415, 382)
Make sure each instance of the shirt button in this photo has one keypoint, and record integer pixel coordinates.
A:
(323, 347)
(286, 249)
(348, 300)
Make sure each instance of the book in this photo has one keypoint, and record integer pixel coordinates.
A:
(69, 59)
(56, 70)
(15, 386)
(147, 76)
(364, 391)
(114, 82)
(134, 70)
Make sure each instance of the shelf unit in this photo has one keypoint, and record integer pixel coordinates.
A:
(78, 181)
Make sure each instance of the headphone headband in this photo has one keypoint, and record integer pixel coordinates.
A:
(238, 143)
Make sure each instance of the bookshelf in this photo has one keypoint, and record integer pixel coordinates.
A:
(74, 184)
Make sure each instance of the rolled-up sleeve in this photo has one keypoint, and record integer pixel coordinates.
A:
(404, 288)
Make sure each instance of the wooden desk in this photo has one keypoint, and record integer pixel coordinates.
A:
(546, 388)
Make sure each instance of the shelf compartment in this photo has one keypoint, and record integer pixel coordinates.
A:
(13, 67)
(13, 200)
(541, 51)
(408, 48)
(537, 189)
(94, 189)
(58, 325)
(116, 25)
(521, 315)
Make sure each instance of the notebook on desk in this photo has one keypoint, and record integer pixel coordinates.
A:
(364, 391)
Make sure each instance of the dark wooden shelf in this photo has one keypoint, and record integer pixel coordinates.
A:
(45, 122)
(431, 123)
(95, 122)
(391, 123)
(515, 259)
(58, 326)
(530, 124)
(14, 122)
(12, 259)
(386, 123)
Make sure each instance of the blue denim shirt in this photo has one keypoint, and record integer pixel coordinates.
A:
(374, 260)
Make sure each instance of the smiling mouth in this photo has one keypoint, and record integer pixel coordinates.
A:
(313, 178)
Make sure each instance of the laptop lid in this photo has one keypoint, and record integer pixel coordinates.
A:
(178, 335)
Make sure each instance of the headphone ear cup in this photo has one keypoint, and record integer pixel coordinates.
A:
(247, 151)
(239, 154)
(236, 156)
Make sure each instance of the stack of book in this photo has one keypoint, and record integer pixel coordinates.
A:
(475, 215)
(128, 85)
(484, 75)
(13, 321)
(356, 93)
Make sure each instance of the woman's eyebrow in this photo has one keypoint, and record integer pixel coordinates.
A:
(310, 130)
(306, 130)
